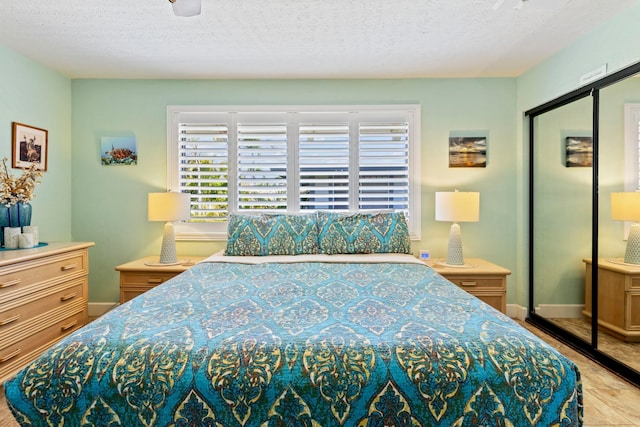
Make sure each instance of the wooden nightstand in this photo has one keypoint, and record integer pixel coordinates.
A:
(484, 280)
(136, 277)
(618, 298)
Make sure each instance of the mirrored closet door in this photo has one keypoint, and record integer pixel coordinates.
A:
(584, 285)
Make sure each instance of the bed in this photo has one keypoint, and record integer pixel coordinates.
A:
(301, 340)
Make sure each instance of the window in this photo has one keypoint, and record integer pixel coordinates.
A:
(292, 159)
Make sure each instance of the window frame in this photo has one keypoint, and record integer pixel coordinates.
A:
(197, 231)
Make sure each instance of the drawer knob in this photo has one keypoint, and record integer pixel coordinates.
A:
(9, 283)
(68, 326)
(466, 283)
(154, 280)
(10, 356)
(68, 267)
(9, 319)
(68, 296)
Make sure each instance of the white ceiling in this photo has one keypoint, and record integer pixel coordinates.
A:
(297, 38)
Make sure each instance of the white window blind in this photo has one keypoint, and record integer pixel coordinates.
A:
(324, 166)
(292, 159)
(384, 166)
(632, 146)
(638, 152)
(203, 152)
(262, 166)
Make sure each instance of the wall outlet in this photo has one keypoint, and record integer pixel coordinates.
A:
(425, 254)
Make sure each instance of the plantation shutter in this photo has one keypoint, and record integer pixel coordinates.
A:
(203, 168)
(383, 166)
(323, 156)
(262, 166)
(249, 159)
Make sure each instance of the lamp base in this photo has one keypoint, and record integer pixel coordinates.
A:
(454, 252)
(632, 253)
(168, 254)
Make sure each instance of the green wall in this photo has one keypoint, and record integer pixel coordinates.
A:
(109, 202)
(81, 200)
(35, 95)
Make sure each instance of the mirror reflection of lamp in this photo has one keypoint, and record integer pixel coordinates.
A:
(457, 207)
(169, 207)
(626, 207)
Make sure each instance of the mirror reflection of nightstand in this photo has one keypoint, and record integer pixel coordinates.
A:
(481, 278)
(618, 298)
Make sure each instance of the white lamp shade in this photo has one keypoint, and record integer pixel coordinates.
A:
(169, 206)
(458, 206)
(186, 7)
(625, 206)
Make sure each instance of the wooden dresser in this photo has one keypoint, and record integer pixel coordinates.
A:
(43, 297)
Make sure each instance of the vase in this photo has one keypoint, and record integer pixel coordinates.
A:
(16, 215)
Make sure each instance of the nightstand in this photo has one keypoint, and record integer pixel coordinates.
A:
(483, 279)
(136, 277)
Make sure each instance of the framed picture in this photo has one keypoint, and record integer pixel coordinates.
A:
(468, 152)
(118, 150)
(30, 145)
(579, 151)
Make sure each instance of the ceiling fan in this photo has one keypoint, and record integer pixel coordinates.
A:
(186, 7)
(499, 3)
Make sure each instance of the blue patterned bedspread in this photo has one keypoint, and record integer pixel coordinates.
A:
(302, 344)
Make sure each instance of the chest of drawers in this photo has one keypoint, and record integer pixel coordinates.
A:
(43, 297)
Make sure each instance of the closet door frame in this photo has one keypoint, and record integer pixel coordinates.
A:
(590, 349)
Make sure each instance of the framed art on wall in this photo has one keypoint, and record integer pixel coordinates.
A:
(118, 150)
(30, 145)
(467, 152)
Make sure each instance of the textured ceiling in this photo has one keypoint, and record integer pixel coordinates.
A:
(297, 38)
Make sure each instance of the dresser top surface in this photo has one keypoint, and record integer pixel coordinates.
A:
(472, 267)
(12, 256)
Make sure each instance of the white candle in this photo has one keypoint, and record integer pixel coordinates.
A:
(33, 229)
(11, 237)
(25, 240)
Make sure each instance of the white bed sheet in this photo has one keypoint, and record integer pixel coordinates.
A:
(338, 258)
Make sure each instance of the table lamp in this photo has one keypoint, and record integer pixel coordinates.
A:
(457, 206)
(626, 207)
(168, 207)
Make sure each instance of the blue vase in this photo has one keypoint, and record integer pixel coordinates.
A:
(16, 215)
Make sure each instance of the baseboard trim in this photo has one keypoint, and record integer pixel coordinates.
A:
(516, 311)
(97, 309)
(560, 311)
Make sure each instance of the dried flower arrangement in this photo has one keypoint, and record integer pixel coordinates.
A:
(15, 190)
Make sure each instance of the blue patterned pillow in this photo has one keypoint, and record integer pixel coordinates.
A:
(272, 234)
(363, 233)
